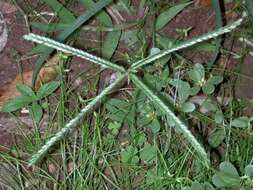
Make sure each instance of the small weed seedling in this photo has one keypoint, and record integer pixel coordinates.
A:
(31, 99)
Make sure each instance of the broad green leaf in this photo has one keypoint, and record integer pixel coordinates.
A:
(16, 103)
(154, 126)
(215, 80)
(188, 107)
(141, 138)
(130, 37)
(222, 180)
(249, 170)
(216, 137)
(227, 177)
(229, 169)
(240, 122)
(166, 16)
(183, 89)
(114, 127)
(129, 155)
(110, 44)
(67, 32)
(47, 89)
(197, 186)
(208, 88)
(102, 16)
(197, 73)
(26, 90)
(36, 112)
(194, 90)
(218, 117)
(210, 105)
(148, 153)
(61, 11)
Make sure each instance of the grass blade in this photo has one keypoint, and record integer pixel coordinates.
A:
(64, 14)
(66, 33)
(102, 17)
(72, 124)
(166, 16)
(162, 105)
(68, 49)
(110, 44)
(219, 23)
(186, 44)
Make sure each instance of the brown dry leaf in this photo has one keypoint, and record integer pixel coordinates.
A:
(47, 73)
(205, 3)
(7, 8)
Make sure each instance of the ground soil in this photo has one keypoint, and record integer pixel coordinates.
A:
(200, 18)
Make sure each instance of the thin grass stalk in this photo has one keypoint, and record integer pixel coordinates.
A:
(186, 44)
(77, 52)
(72, 124)
(162, 105)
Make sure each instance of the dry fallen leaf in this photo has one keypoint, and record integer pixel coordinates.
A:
(47, 73)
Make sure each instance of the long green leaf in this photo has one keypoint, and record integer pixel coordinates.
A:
(186, 44)
(162, 105)
(72, 124)
(166, 16)
(68, 49)
(112, 38)
(110, 44)
(66, 15)
(16, 103)
(219, 23)
(66, 33)
(102, 16)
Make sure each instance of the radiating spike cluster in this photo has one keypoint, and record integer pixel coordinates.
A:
(74, 122)
(68, 49)
(187, 134)
(187, 43)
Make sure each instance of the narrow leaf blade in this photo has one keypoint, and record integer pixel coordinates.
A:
(110, 44)
(67, 32)
(166, 16)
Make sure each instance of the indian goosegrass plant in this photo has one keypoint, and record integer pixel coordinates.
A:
(131, 74)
